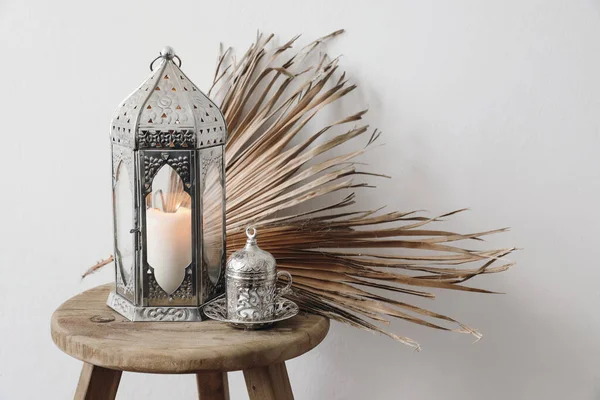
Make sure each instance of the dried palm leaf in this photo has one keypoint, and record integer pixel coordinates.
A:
(96, 267)
(270, 98)
(277, 164)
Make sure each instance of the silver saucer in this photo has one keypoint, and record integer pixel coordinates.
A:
(284, 309)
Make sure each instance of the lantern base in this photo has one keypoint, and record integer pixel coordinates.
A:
(156, 314)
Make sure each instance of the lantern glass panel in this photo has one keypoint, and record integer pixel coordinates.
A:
(123, 222)
(212, 222)
(168, 229)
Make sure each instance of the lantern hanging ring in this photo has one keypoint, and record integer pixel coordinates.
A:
(168, 53)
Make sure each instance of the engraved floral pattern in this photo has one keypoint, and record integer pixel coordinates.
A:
(151, 167)
(181, 164)
(125, 289)
(259, 262)
(152, 313)
(152, 164)
(170, 111)
(250, 303)
(184, 292)
(121, 305)
(167, 109)
(165, 314)
(168, 139)
(283, 309)
(125, 155)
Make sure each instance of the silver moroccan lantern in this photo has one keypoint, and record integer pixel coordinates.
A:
(168, 197)
(251, 280)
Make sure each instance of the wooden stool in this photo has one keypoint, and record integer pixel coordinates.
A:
(85, 328)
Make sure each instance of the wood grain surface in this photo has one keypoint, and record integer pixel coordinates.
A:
(268, 383)
(97, 383)
(213, 385)
(86, 328)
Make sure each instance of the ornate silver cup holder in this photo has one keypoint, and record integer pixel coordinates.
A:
(217, 310)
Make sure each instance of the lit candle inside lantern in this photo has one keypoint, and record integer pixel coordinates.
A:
(169, 248)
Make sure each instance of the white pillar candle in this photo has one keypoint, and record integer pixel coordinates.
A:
(169, 251)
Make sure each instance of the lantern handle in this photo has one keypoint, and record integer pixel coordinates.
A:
(168, 54)
(178, 59)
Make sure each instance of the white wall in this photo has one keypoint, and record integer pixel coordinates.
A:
(488, 105)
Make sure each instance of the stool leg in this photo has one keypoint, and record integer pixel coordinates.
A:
(269, 383)
(213, 386)
(97, 383)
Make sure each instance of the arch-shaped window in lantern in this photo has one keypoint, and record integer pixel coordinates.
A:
(168, 229)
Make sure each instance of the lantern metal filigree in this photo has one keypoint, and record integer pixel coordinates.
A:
(168, 197)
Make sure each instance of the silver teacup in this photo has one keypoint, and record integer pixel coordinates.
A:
(251, 283)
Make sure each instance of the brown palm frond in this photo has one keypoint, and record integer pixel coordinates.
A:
(96, 267)
(337, 256)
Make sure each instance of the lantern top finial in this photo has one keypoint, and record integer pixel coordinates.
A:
(167, 52)
(168, 111)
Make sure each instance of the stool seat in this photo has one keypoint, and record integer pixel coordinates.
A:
(86, 328)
